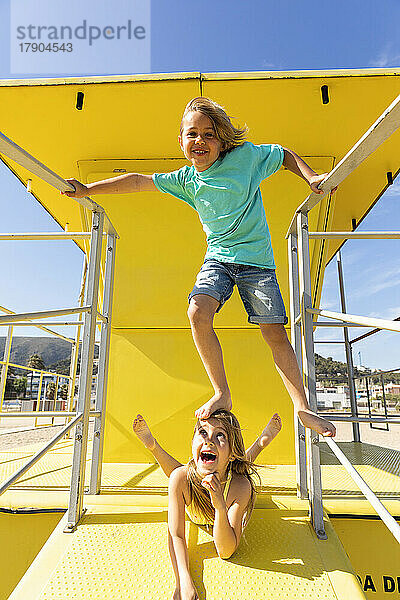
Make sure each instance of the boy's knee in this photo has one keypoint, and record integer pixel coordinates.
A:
(274, 333)
(201, 310)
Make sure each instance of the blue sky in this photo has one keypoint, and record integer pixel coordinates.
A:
(233, 36)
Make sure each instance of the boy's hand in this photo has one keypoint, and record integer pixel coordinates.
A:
(212, 483)
(80, 189)
(316, 180)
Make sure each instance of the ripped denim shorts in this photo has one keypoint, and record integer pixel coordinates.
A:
(258, 289)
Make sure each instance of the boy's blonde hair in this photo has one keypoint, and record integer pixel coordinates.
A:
(199, 496)
(226, 132)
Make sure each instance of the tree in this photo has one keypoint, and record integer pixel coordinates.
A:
(51, 391)
(35, 362)
(20, 386)
(64, 391)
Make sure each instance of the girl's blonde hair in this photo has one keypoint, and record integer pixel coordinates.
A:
(199, 496)
(226, 132)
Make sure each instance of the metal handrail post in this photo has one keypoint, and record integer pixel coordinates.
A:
(368, 398)
(349, 353)
(384, 400)
(102, 377)
(295, 329)
(4, 369)
(85, 378)
(313, 458)
(75, 348)
(39, 396)
(55, 396)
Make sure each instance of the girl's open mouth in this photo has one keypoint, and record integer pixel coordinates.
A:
(207, 457)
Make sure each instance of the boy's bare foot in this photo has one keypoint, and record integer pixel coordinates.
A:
(143, 432)
(217, 401)
(316, 423)
(272, 429)
(176, 595)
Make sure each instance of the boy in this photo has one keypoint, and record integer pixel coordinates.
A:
(222, 184)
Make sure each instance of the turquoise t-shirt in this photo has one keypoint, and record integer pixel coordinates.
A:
(228, 200)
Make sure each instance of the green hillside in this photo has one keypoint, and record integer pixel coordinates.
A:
(53, 351)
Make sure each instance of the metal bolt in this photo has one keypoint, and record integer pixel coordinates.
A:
(97, 433)
(294, 249)
(315, 440)
(321, 532)
(302, 436)
(305, 226)
(78, 437)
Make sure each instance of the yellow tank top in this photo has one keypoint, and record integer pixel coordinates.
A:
(200, 520)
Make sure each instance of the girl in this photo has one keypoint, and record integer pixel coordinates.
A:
(215, 487)
(222, 185)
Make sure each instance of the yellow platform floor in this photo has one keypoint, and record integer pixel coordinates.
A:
(118, 553)
(120, 549)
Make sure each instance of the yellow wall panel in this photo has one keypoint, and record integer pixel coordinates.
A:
(374, 554)
(22, 536)
(158, 373)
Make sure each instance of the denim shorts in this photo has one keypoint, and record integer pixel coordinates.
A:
(258, 289)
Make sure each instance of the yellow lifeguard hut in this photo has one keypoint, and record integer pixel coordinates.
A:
(312, 532)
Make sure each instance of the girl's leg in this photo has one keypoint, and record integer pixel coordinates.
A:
(167, 462)
(201, 314)
(272, 429)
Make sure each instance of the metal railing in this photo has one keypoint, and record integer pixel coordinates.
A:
(52, 397)
(102, 231)
(370, 394)
(308, 468)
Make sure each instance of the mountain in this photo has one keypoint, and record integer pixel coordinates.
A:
(52, 350)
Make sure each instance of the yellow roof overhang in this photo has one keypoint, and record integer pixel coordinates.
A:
(129, 121)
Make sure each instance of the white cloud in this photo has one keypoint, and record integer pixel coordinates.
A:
(387, 57)
(388, 313)
(394, 190)
(270, 66)
(382, 280)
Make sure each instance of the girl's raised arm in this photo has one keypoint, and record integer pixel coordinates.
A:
(230, 521)
(177, 541)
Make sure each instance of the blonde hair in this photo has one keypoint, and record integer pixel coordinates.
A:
(199, 496)
(226, 132)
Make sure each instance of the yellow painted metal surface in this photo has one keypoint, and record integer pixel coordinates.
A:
(123, 554)
(22, 536)
(374, 554)
(157, 373)
(154, 367)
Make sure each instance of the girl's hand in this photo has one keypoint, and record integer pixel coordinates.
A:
(316, 180)
(188, 592)
(80, 189)
(212, 483)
